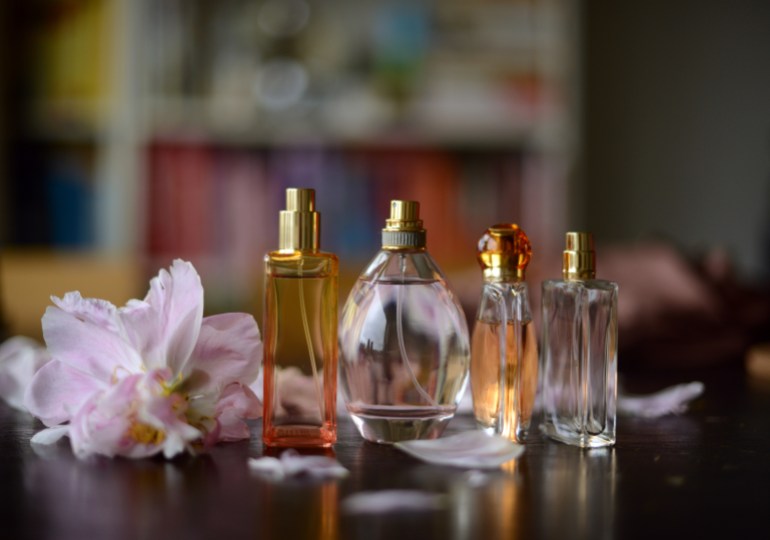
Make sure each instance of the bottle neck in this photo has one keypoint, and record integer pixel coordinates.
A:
(299, 231)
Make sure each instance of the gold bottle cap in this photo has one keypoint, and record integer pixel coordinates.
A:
(504, 252)
(299, 225)
(404, 227)
(579, 257)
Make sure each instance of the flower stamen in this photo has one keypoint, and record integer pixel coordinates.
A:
(146, 434)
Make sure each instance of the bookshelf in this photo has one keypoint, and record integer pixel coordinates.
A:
(179, 129)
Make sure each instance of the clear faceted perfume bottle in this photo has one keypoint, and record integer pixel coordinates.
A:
(300, 331)
(580, 344)
(504, 343)
(403, 339)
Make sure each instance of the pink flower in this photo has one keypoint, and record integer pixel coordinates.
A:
(20, 358)
(153, 376)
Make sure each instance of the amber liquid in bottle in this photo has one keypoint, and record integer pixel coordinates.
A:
(300, 331)
(300, 356)
(520, 377)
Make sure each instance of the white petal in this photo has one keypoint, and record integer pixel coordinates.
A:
(472, 449)
(292, 464)
(50, 435)
(228, 350)
(295, 464)
(267, 466)
(671, 400)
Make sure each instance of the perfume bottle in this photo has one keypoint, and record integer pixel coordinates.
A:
(300, 331)
(403, 339)
(504, 343)
(580, 350)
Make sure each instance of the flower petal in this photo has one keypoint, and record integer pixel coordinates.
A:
(20, 358)
(134, 418)
(58, 391)
(236, 404)
(228, 350)
(86, 345)
(671, 400)
(50, 435)
(100, 425)
(94, 310)
(164, 328)
(472, 449)
(292, 464)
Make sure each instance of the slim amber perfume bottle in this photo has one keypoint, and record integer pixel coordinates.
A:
(580, 350)
(403, 338)
(504, 343)
(300, 331)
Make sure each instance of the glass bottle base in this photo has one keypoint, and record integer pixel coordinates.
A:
(391, 424)
(577, 438)
(521, 435)
(288, 436)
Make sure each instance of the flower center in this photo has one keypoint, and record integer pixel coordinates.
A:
(145, 434)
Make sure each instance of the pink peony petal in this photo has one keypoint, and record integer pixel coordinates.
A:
(229, 350)
(88, 347)
(20, 358)
(57, 391)
(164, 328)
(93, 310)
(236, 403)
(100, 425)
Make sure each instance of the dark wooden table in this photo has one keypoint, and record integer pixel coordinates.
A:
(702, 474)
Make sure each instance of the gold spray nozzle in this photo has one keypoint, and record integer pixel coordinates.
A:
(504, 251)
(404, 227)
(299, 225)
(579, 260)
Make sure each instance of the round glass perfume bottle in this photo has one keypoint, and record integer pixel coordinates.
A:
(504, 344)
(404, 344)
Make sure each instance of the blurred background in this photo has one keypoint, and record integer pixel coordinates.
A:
(133, 132)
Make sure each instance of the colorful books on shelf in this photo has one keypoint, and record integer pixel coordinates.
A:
(218, 206)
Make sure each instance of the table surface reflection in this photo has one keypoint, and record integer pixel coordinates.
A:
(697, 475)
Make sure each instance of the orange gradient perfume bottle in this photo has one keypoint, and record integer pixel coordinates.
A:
(504, 343)
(300, 331)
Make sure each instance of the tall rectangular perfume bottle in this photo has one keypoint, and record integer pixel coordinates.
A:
(300, 331)
(580, 350)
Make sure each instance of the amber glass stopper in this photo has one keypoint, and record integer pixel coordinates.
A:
(504, 252)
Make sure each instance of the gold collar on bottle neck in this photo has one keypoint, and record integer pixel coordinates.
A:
(504, 251)
(579, 261)
(299, 226)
